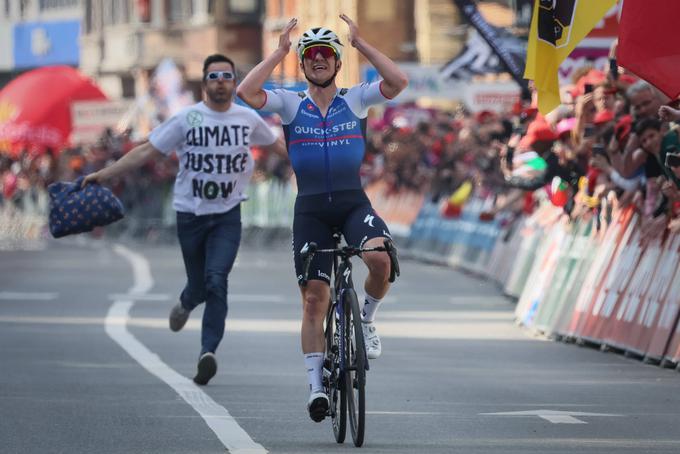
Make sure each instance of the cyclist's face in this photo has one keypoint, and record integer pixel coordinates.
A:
(319, 68)
(219, 90)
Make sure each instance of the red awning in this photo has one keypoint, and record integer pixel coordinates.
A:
(35, 108)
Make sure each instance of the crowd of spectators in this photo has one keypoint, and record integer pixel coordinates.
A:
(613, 138)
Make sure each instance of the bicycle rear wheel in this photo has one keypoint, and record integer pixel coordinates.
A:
(334, 379)
(355, 375)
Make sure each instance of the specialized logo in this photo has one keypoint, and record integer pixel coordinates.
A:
(369, 220)
(555, 18)
(346, 275)
(195, 118)
(363, 241)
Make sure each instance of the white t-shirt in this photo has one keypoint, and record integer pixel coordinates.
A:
(215, 163)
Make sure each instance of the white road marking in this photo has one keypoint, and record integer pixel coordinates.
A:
(140, 297)
(554, 416)
(405, 329)
(232, 436)
(236, 297)
(25, 296)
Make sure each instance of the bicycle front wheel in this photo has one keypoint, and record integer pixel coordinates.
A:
(355, 375)
(334, 380)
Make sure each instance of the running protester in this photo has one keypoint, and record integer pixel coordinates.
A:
(325, 129)
(211, 140)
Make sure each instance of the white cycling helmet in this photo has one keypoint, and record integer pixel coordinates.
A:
(319, 35)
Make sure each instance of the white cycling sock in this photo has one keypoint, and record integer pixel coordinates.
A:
(314, 364)
(370, 307)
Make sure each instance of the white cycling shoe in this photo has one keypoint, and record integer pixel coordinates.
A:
(317, 405)
(371, 340)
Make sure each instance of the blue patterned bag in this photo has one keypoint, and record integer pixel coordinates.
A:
(77, 209)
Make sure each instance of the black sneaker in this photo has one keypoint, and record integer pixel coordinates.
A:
(317, 406)
(207, 368)
(178, 317)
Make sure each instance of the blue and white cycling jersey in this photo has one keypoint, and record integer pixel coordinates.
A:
(325, 153)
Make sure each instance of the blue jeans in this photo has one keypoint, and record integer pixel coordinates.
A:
(209, 245)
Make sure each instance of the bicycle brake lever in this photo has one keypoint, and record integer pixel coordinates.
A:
(394, 260)
(307, 254)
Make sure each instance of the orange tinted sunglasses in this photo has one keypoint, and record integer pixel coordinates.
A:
(325, 50)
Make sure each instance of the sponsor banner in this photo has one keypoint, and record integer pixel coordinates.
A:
(497, 97)
(667, 304)
(89, 119)
(584, 250)
(541, 275)
(427, 82)
(46, 43)
(621, 325)
(505, 251)
(615, 284)
(565, 278)
(607, 251)
(659, 303)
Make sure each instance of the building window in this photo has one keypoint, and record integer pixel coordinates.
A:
(179, 10)
(244, 7)
(120, 11)
(57, 4)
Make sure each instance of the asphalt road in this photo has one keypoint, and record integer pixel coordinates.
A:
(87, 366)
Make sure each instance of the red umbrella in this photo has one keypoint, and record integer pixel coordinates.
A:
(35, 108)
(648, 42)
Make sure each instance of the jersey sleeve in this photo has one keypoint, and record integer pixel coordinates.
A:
(261, 134)
(282, 102)
(362, 96)
(167, 136)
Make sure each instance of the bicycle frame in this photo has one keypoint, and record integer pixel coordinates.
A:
(346, 372)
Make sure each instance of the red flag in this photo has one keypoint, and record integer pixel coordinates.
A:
(648, 44)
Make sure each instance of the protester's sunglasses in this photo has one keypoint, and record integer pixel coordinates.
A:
(325, 50)
(224, 75)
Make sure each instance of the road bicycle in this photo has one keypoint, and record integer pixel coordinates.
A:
(345, 361)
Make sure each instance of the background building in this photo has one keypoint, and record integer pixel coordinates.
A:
(124, 40)
(376, 19)
(38, 33)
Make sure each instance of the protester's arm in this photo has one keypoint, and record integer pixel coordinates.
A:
(133, 159)
(250, 89)
(394, 80)
(278, 147)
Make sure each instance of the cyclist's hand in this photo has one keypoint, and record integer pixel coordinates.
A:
(353, 30)
(284, 38)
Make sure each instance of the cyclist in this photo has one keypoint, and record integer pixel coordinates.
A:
(325, 132)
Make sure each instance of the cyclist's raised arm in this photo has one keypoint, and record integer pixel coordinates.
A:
(250, 89)
(394, 79)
